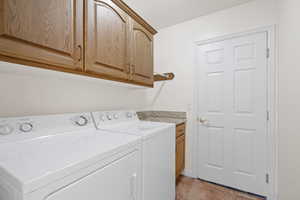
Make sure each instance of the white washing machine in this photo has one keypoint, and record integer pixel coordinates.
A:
(158, 147)
(63, 157)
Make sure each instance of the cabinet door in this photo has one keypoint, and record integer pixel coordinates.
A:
(43, 32)
(142, 55)
(180, 155)
(107, 48)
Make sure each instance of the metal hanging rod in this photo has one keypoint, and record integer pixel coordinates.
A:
(164, 76)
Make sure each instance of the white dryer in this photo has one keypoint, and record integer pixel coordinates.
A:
(158, 147)
(63, 157)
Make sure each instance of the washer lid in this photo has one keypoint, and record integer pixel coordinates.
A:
(141, 128)
(128, 122)
(31, 164)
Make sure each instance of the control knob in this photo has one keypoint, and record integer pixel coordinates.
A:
(109, 117)
(116, 116)
(129, 115)
(102, 117)
(5, 129)
(26, 127)
(81, 121)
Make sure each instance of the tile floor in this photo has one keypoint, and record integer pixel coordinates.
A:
(194, 189)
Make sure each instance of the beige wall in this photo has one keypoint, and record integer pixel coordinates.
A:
(33, 91)
(289, 100)
(174, 52)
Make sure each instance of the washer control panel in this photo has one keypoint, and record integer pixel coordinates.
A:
(113, 117)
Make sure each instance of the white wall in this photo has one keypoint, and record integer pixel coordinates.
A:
(289, 100)
(174, 52)
(33, 91)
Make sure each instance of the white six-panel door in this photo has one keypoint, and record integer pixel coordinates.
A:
(232, 111)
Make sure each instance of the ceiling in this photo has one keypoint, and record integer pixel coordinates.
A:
(164, 13)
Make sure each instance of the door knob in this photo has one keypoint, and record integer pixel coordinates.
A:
(203, 121)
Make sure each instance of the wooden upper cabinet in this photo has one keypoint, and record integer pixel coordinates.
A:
(43, 32)
(107, 39)
(142, 54)
(98, 38)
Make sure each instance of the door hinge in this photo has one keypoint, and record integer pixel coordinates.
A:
(268, 52)
(267, 178)
(268, 115)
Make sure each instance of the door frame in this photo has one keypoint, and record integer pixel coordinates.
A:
(272, 87)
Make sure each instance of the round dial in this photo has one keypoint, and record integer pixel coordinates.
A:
(129, 115)
(26, 127)
(81, 121)
(102, 117)
(5, 129)
(109, 117)
(116, 116)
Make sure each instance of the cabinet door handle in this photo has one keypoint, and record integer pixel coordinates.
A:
(80, 53)
(127, 68)
(133, 69)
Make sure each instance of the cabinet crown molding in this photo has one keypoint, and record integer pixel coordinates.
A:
(134, 15)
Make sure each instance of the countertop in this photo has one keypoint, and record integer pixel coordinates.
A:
(163, 116)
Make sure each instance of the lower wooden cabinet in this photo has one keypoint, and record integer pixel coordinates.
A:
(180, 149)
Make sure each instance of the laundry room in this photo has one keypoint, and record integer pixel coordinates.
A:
(149, 100)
